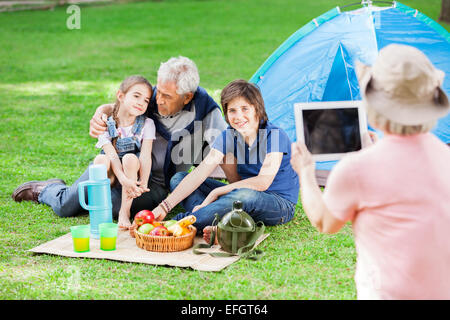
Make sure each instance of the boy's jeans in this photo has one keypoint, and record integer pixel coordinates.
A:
(267, 207)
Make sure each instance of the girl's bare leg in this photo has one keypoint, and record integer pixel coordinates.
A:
(103, 159)
(130, 164)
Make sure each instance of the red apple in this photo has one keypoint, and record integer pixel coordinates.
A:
(143, 217)
(160, 231)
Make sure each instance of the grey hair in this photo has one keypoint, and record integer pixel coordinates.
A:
(389, 126)
(182, 71)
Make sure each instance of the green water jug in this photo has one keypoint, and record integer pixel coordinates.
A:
(237, 233)
(236, 230)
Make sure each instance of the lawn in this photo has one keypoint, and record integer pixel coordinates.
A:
(51, 81)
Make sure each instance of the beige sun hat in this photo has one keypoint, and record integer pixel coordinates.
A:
(404, 86)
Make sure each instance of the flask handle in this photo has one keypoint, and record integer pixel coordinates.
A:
(82, 198)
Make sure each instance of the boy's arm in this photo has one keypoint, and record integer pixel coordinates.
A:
(261, 182)
(229, 167)
(264, 179)
(145, 160)
(191, 182)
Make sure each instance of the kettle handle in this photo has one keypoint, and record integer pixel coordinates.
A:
(214, 230)
(253, 254)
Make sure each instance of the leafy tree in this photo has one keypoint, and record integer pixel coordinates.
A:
(445, 11)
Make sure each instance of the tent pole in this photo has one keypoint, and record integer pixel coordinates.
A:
(367, 2)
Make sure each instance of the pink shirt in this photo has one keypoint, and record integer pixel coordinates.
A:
(397, 195)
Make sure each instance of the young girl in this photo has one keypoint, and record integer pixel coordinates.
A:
(256, 154)
(127, 144)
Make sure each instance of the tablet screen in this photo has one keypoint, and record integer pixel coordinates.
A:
(332, 130)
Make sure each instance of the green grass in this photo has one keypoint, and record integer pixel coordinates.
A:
(51, 81)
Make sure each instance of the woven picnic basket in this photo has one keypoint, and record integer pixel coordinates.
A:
(164, 244)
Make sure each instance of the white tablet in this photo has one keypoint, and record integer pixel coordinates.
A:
(330, 129)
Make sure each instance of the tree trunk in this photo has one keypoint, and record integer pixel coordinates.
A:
(445, 11)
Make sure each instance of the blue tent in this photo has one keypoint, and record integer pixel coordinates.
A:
(317, 63)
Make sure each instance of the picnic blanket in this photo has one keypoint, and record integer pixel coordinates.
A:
(128, 251)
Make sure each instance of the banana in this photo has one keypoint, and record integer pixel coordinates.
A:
(186, 221)
(178, 230)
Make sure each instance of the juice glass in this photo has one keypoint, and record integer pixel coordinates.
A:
(80, 236)
(108, 236)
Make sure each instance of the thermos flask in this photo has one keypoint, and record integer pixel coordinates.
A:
(99, 196)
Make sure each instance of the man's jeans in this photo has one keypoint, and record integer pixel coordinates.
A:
(64, 199)
(267, 207)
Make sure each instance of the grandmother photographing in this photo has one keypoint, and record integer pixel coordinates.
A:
(396, 191)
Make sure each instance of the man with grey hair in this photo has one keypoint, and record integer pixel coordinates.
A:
(187, 121)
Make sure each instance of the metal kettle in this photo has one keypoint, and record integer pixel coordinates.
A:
(236, 230)
(237, 233)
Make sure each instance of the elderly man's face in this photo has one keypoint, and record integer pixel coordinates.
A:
(168, 100)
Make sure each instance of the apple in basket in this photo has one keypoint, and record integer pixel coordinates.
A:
(146, 228)
(143, 217)
(169, 223)
(159, 231)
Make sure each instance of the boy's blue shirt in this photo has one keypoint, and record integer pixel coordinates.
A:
(270, 138)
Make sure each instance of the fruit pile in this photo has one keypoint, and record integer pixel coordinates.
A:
(146, 224)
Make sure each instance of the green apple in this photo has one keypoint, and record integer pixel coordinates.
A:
(146, 228)
(169, 223)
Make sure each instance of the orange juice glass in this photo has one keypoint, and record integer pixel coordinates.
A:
(108, 236)
(80, 237)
